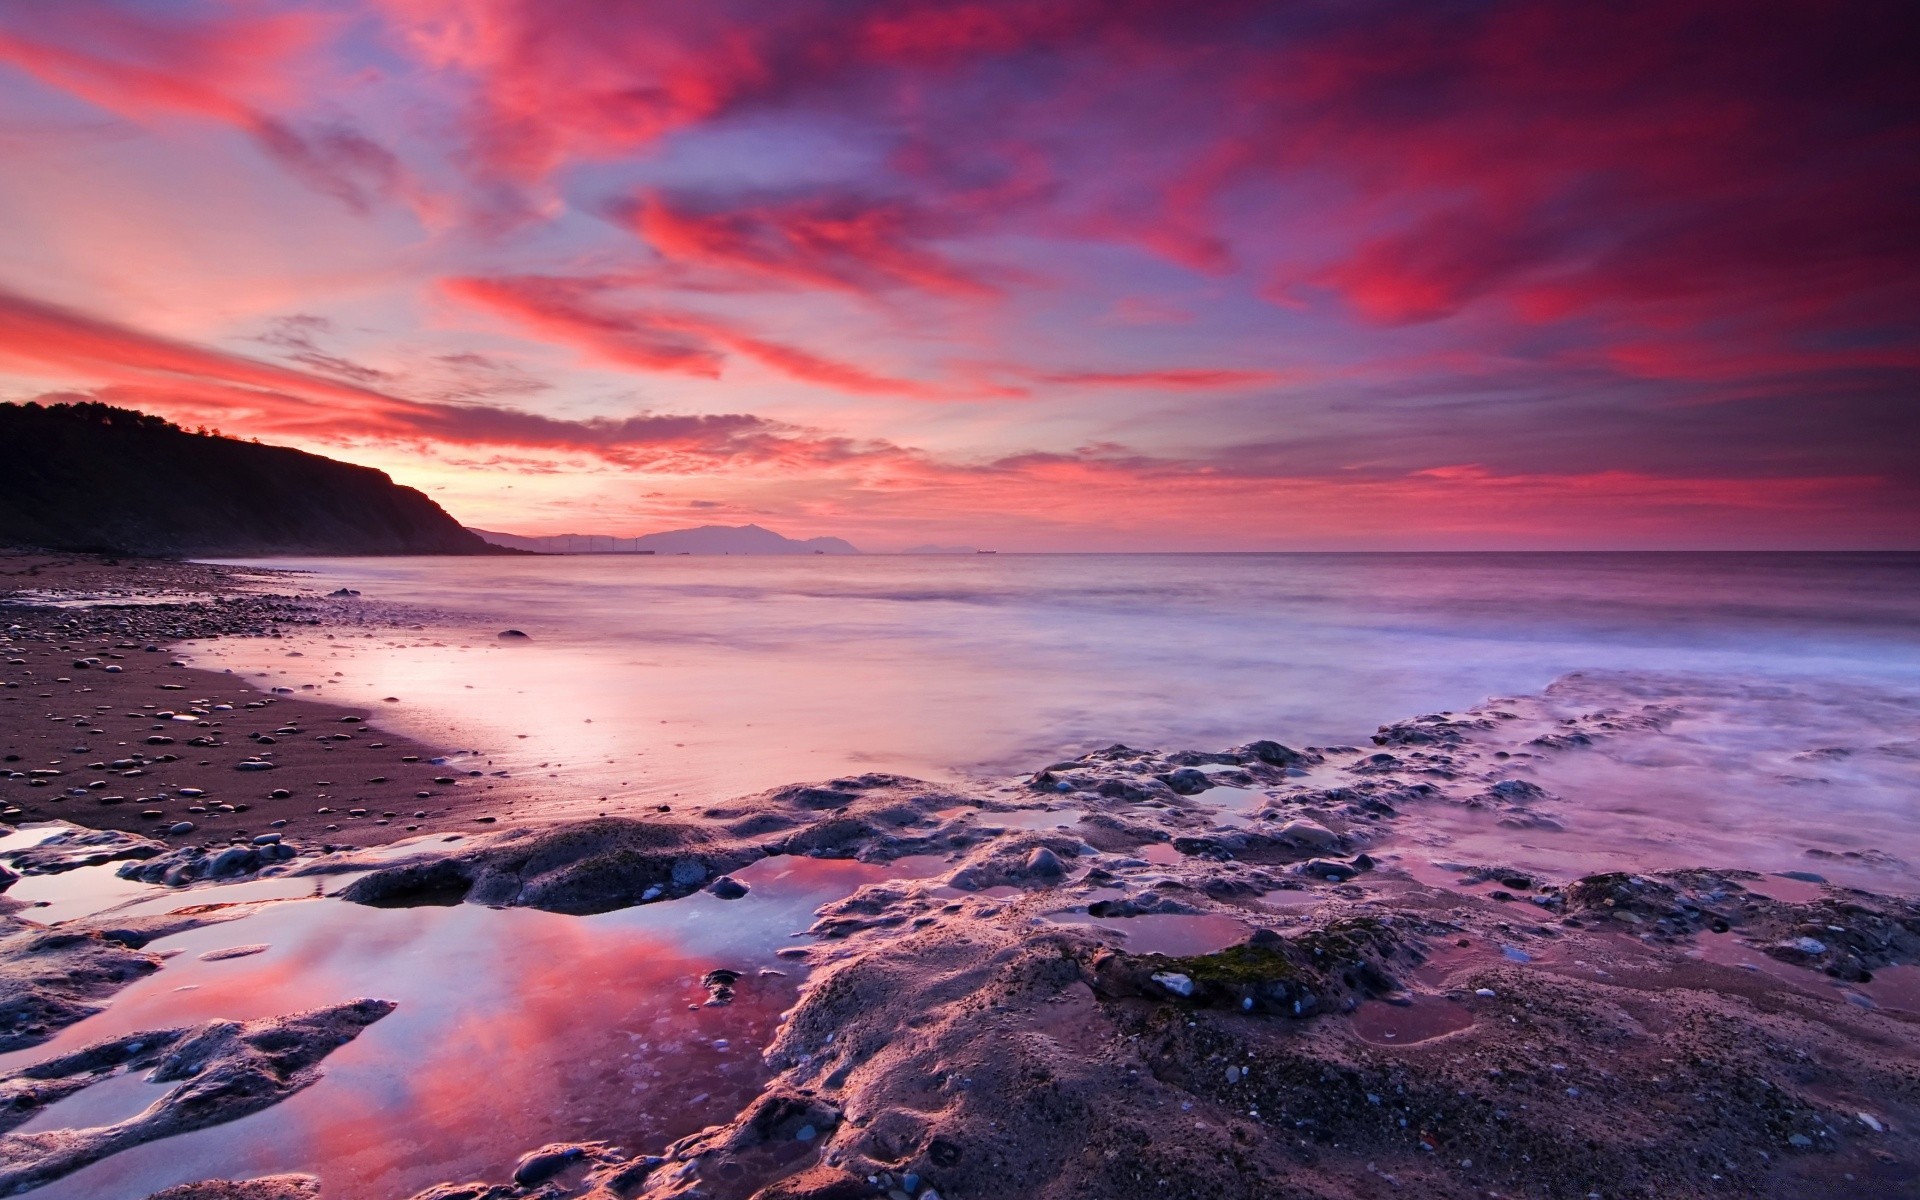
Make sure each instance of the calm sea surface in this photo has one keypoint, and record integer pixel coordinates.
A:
(648, 677)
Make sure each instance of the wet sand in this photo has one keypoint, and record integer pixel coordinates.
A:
(1257, 971)
(142, 743)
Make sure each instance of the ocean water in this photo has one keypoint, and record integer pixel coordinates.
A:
(648, 678)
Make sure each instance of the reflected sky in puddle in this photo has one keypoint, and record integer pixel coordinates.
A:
(107, 1102)
(1422, 1018)
(515, 1028)
(1176, 934)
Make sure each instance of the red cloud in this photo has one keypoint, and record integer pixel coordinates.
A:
(234, 68)
(575, 312)
(1198, 379)
(844, 242)
(199, 385)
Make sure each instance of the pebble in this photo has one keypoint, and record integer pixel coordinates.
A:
(179, 827)
(727, 888)
(1173, 981)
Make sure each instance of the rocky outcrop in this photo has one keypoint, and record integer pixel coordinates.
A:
(92, 477)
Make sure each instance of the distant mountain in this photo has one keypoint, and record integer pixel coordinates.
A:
(94, 477)
(707, 539)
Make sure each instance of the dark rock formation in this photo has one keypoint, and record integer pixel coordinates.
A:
(91, 477)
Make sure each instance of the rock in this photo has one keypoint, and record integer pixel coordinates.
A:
(234, 860)
(727, 888)
(543, 1164)
(1188, 781)
(226, 952)
(1329, 869)
(78, 848)
(1274, 754)
(267, 1187)
(1310, 835)
(180, 827)
(1045, 862)
(1173, 981)
(512, 635)
(266, 839)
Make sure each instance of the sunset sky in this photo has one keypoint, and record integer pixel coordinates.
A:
(1076, 275)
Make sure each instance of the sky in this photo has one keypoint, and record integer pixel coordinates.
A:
(1019, 274)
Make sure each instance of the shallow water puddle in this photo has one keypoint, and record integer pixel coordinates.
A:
(80, 892)
(28, 836)
(1788, 889)
(1025, 818)
(1420, 1019)
(1174, 934)
(107, 1102)
(514, 1028)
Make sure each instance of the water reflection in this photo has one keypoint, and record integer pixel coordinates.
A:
(515, 1028)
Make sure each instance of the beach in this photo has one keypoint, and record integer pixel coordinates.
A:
(1504, 948)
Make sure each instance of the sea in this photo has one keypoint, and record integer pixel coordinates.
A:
(1796, 677)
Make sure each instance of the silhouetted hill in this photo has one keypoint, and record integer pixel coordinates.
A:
(707, 539)
(94, 477)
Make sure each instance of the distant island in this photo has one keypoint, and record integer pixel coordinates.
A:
(92, 477)
(706, 539)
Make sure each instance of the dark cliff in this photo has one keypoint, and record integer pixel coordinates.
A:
(94, 477)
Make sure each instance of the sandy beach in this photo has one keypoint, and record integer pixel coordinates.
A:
(1220, 972)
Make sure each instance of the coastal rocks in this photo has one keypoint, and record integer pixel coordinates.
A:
(1187, 781)
(1443, 730)
(190, 864)
(586, 867)
(1016, 860)
(1044, 863)
(77, 848)
(224, 1070)
(543, 1164)
(587, 1170)
(267, 1187)
(1308, 835)
(787, 1118)
(873, 906)
(1276, 755)
(1043, 1064)
(1329, 967)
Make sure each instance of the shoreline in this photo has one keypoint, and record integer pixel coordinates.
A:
(1036, 1006)
(184, 731)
